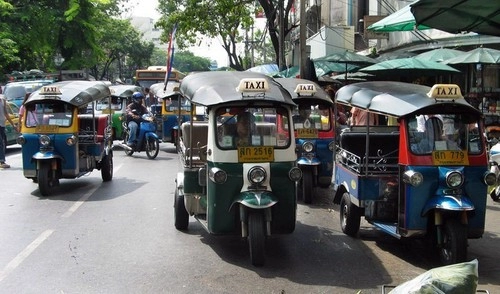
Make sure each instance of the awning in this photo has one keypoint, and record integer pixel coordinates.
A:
(401, 20)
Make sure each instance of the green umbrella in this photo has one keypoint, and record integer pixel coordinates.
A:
(347, 58)
(401, 20)
(478, 55)
(440, 54)
(321, 68)
(409, 66)
(456, 16)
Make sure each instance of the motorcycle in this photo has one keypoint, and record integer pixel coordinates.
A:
(147, 139)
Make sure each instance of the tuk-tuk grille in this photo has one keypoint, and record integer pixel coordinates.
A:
(370, 165)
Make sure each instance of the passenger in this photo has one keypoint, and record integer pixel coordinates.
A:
(135, 110)
(245, 126)
(362, 117)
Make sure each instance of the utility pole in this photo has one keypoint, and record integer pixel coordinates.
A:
(302, 40)
(281, 40)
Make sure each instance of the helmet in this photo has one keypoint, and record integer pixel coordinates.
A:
(137, 96)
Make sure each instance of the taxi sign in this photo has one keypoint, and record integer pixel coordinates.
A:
(256, 154)
(305, 89)
(448, 157)
(253, 85)
(50, 90)
(446, 91)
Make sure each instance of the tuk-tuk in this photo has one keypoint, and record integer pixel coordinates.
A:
(424, 174)
(120, 97)
(238, 174)
(60, 140)
(314, 128)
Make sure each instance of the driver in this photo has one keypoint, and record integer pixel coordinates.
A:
(135, 110)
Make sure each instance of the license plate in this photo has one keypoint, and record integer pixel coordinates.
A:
(256, 154)
(448, 157)
(307, 133)
(47, 129)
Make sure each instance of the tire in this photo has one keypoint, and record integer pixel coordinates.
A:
(152, 147)
(107, 167)
(44, 179)
(495, 194)
(454, 247)
(307, 186)
(181, 216)
(125, 140)
(256, 237)
(350, 216)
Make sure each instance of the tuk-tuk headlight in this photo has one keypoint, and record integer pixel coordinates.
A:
(295, 174)
(490, 178)
(21, 140)
(257, 175)
(44, 140)
(70, 141)
(308, 146)
(454, 179)
(217, 175)
(413, 178)
(331, 146)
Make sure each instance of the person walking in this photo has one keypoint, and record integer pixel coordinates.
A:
(4, 116)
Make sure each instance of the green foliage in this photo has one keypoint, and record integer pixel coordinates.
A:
(186, 61)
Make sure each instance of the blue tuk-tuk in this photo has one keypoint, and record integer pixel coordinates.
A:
(423, 175)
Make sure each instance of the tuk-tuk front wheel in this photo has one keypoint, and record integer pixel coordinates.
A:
(454, 242)
(495, 194)
(307, 185)
(256, 237)
(45, 180)
(181, 216)
(350, 216)
(107, 167)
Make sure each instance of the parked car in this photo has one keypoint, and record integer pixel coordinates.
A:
(10, 132)
(15, 91)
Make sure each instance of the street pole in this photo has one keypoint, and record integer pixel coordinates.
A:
(281, 40)
(302, 40)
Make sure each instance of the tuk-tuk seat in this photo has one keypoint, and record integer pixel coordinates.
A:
(383, 149)
(199, 139)
(86, 133)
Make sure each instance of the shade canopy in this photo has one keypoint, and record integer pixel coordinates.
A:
(409, 66)
(478, 55)
(124, 90)
(456, 16)
(347, 57)
(265, 68)
(401, 20)
(440, 54)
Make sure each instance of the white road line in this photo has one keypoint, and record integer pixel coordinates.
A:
(14, 263)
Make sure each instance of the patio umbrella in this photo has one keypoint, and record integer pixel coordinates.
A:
(395, 55)
(456, 16)
(265, 68)
(440, 54)
(348, 58)
(353, 76)
(401, 20)
(409, 66)
(321, 68)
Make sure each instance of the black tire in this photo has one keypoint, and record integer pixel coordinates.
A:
(181, 216)
(256, 237)
(495, 194)
(107, 167)
(350, 216)
(127, 151)
(44, 179)
(307, 186)
(454, 247)
(152, 147)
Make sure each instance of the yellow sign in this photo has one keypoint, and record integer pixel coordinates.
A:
(307, 133)
(448, 157)
(47, 129)
(256, 154)
(449, 91)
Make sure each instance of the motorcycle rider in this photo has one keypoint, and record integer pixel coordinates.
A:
(135, 110)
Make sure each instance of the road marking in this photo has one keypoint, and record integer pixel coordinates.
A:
(14, 263)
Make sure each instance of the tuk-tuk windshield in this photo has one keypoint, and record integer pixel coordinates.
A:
(49, 113)
(116, 104)
(312, 116)
(454, 132)
(172, 104)
(243, 126)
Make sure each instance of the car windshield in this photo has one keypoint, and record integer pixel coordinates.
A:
(17, 90)
(52, 113)
(243, 126)
(438, 132)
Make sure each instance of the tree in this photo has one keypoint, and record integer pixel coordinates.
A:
(186, 61)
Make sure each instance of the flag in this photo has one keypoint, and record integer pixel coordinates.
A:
(170, 55)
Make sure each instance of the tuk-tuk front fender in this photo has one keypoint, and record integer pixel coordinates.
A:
(46, 155)
(448, 202)
(314, 161)
(256, 199)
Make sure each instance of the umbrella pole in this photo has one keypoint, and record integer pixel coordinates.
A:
(345, 73)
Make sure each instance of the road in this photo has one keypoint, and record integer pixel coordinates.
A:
(119, 237)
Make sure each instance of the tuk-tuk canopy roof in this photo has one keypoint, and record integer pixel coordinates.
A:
(211, 88)
(124, 90)
(301, 90)
(161, 92)
(400, 99)
(77, 93)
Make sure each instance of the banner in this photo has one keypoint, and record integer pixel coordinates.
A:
(170, 55)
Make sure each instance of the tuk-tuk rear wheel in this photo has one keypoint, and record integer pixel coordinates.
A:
(350, 216)
(454, 246)
(307, 186)
(181, 216)
(256, 237)
(107, 167)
